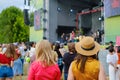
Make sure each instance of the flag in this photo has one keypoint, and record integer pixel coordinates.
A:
(37, 20)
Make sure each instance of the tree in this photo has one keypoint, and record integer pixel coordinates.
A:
(32, 19)
(12, 26)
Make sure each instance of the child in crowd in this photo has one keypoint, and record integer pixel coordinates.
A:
(44, 67)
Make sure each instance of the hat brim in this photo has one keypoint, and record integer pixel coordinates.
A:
(87, 52)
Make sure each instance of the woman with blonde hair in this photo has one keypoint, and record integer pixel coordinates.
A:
(44, 67)
(86, 65)
(6, 62)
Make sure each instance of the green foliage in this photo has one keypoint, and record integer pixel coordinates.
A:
(81, 31)
(32, 19)
(12, 26)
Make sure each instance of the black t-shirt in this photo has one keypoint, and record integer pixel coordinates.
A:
(67, 59)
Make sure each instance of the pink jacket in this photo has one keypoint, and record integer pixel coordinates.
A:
(39, 72)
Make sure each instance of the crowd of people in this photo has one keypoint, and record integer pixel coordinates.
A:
(12, 59)
(73, 36)
(48, 61)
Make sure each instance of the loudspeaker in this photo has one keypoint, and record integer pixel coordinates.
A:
(28, 2)
(26, 17)
(24, 2)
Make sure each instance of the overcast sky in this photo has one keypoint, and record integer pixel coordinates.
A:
(18, 3)
(6, 3)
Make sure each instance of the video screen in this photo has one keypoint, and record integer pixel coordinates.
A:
(111, 8)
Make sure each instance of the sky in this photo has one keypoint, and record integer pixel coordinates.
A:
(7, 3)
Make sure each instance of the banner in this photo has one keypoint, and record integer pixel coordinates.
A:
(37, 20)
(111, 8)
(118, 40)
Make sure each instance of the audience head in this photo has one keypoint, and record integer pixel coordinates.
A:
(32, 44)
(61, 45)
(111, 43)
(71, 47)
(44, 52)
(111, 49)
(10, 51)
(118, 49)
(87, 46)
(57, 46)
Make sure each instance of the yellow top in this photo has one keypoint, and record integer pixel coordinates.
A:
(91, 70)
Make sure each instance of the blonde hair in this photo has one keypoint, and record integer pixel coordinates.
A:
(44, 52)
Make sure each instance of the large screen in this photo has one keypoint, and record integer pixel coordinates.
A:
(111, 8)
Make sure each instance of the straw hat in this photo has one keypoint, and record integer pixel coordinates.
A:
(81, 37)
(87, 46)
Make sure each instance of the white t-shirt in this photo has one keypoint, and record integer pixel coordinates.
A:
(32, 51)
(21, 48)
(112, 58)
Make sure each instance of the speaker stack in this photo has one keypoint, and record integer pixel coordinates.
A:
(26, 17)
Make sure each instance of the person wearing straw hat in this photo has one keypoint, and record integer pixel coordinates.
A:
(86, 65)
